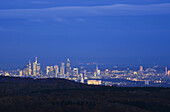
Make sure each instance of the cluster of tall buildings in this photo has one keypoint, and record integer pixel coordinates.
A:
(95, 76)
(62, 71)
(31, 71)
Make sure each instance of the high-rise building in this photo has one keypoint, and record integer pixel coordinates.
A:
(62, 69)
(26, 71)
(75, 72)
(141, 68)
(68, 68)
(49, 71)
(97, 70)
(36, 68)
(29, 68)
(107, 72)
(166, 71)
(82, 78)
(56, 70)
(20, 73)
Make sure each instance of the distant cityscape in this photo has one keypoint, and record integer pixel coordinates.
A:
(108, 77)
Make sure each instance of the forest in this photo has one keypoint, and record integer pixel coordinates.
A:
(61, 95)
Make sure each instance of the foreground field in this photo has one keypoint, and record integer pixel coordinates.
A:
(59, 95)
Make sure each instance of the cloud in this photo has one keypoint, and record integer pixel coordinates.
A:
(87, 11)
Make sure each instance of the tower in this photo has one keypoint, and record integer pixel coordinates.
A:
(107, 72)
(20, 73)
(97, 70)
(56, 70)
(36, 68)
(75, 72)
(82, 78)
(68, 68)
(29, 68)
(62, 69)
(50, 71)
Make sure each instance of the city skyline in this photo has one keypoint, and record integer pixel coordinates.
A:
(125, 62)
(98, 75)
(101, 39)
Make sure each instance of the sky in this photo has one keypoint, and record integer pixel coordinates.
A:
(127, 32)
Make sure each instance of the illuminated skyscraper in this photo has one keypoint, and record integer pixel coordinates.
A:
(82, 78)
(97, 70)
(107, 72)
(68, 68)
(36, 68)
(56, 70)
(26, 71)
(166, 71)
(29, 68)
(20, 73)
(49, 70)
(62, 69)
(75, 72)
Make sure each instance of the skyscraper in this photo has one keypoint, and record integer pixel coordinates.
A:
(20, 73)
(82, 78)
(27, 71)
(29, 68)
(49, 71)
(36, 68)
(75, 72)
(62, 69)
(97, 70)
(68, 68)
(107, 72)
(56, 70)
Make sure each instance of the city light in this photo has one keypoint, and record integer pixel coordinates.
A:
(106, 77)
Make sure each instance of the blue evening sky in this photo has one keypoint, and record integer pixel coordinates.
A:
(106, 31)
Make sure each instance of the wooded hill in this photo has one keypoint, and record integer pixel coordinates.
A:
(60, 95)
